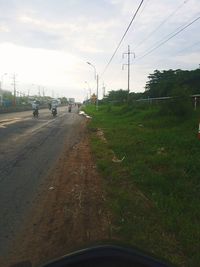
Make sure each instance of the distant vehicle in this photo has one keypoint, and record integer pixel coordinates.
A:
(35, 113)
(54, 104)
(71, 101)
(56, 100)
(54, 111)
(35, 106)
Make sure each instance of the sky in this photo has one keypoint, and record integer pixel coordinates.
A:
(46, 44)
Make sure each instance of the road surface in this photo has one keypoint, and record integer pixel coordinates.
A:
(29, 148)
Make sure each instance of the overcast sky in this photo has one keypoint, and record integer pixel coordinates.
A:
(48, 42)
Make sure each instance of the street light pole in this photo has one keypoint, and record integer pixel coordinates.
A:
(97, 80)
(14, 89)
(97, 101)
(93, 68)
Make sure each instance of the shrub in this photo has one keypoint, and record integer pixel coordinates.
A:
(180, 105)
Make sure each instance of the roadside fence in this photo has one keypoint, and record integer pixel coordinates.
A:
(157, 100)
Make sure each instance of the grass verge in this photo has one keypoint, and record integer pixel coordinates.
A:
(153, 193)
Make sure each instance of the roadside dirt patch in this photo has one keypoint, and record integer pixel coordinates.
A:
(69, 212)
(101, 136)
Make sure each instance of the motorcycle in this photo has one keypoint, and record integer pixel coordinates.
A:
(69, 109)
(35, 113)
(54, 112)
(105, 256)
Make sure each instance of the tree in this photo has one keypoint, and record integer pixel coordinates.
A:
(118, 96)
(163, 83)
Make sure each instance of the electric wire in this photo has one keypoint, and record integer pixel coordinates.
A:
(165, 41)
(142, 10)
(123, 37)
(161, 24)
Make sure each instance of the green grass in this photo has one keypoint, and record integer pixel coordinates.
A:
(154, 193)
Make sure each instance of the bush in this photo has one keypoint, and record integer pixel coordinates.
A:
(180, 105)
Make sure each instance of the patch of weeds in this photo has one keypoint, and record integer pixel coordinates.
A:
(154, 193)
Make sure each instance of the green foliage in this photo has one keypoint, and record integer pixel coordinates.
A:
(7, 95)
(160, 83)
(63, 100)
(135, 96)
(154, 193)
(119, 96)
(180, 105)
(163, 83)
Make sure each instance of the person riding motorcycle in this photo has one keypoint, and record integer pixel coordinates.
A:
(49, 105)
(54, 105)
(35, 107)
(70, 108)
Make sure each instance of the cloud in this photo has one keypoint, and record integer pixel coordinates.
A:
(53, 39)
(191, 59)
(47, 66)
(79, 34)
(4, 28)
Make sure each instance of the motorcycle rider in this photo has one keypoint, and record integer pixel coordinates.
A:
(49, 104)
(35, 107)
(70, 108)
(54, 105)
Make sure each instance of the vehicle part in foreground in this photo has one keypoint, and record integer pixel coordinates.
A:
(104, 256)
(107, 255)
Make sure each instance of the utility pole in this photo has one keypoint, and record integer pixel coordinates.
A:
(43, 94)
(128, 69)
(97, 103)
(104, 90)
(128, 54)
(97, 80)
(39, 95)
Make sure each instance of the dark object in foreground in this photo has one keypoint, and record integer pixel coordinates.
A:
(107, 256)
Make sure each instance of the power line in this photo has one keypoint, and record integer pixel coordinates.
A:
(171, 33)
(161, 24)
(142, 10)
(123, 37)
(156, 47)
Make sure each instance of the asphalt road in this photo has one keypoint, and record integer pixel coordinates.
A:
(29, 148)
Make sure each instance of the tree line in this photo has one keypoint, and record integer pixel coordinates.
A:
(161, 84)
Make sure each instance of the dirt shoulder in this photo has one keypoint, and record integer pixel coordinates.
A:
(69, 211)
